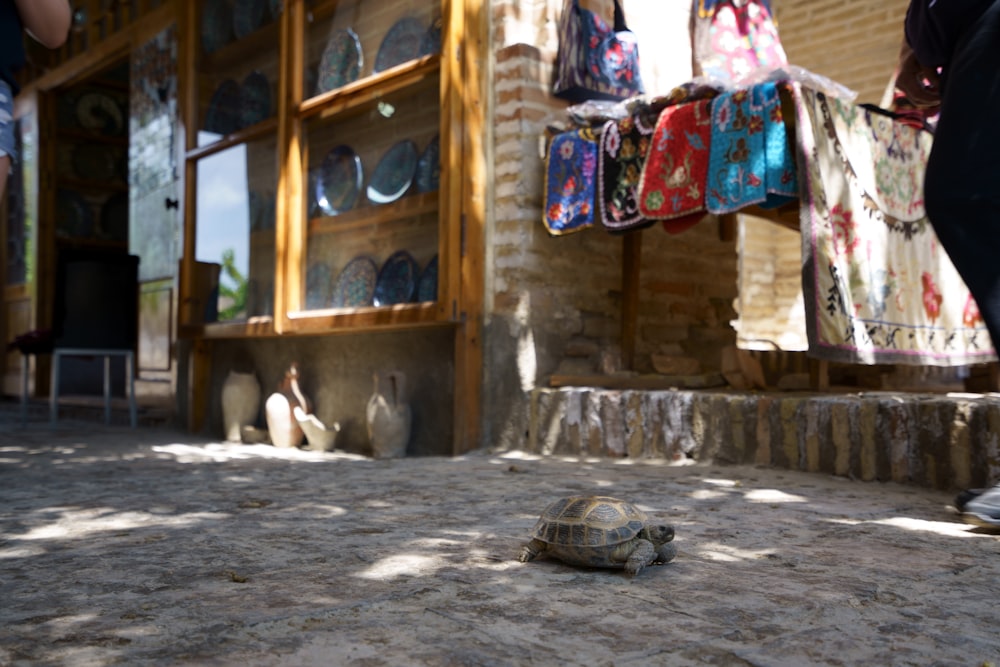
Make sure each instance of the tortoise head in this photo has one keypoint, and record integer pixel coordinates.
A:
(658, 534)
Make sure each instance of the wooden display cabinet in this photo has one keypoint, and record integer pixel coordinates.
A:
(353, 113)
(351, 82)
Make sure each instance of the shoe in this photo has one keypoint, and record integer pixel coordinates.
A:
(984, 510)
(963, 497)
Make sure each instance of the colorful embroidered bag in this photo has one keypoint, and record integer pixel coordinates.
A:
(596, 62)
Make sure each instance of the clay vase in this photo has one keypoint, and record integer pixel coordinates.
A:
(240, 403)
(282, 425)
(388, 416)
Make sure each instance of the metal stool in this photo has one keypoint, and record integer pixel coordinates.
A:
(129, 356)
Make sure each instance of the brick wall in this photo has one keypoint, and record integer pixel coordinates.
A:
(854, 42)
(554, 304)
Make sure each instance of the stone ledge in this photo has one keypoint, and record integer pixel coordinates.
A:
(939, 441)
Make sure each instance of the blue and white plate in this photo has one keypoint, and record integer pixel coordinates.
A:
(338, 181)
(397, 280)
(355, 285)
(427, 286)
(429, 167)
(394, 173)
(404, 42)
(341, 61)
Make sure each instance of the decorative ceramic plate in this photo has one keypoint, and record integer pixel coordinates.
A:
(431, 41)
(319, 285)
(312, 206)
(401, 44)
(100, 113)
(223, 114)
(255, 99)
(75, 219)
(397, 280)
(114, 217)
(216, 25)
(427, 286)
(355, 285)
(341, 61)
(429, 167)
(339, 181)
(248, 15)
(394, 173)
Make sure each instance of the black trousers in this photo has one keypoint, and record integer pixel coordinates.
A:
(962, 185)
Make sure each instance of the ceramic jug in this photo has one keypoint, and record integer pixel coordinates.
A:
(388, 416)
(282, 425)
(240, 403)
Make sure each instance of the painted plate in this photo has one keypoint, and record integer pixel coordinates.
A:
(427, 286)
(429, 167)
(355, 285)
(338, 181)
(74, 216)
(114, 217)
(394, 173)
(248, 15)
(101, 113)
(431, 41)
(216, 25)
(397, 280)
(319, 286)
(255, 99)
(341, 61)
(223, 114)
(402, 43)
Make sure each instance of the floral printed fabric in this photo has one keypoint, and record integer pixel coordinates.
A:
(751, 160)
(624, 146)
(878, 286)
(672, 188)
(732, 38)
(570, 182)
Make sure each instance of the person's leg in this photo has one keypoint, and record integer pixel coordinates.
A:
(962, 195)
(961, 188)
(7, 139)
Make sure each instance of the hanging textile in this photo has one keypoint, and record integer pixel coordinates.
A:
(624, 146)
(751, 160)
(570, 181)
(732, 38)
(672, 186)
(878, 286)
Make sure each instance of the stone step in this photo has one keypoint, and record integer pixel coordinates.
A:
(939, 441)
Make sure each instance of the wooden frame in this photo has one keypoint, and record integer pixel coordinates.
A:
(460, 200)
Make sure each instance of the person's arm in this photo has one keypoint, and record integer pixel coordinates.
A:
(920, 84)
(47, 21)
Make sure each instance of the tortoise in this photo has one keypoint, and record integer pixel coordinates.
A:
(600, 531)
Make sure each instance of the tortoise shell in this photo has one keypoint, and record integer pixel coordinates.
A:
(586, 529)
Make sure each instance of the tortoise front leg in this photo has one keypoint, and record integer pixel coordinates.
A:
(531, 550)
(642, 555)
(666, 553)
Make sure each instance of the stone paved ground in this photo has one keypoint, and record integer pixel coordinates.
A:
(151, 547)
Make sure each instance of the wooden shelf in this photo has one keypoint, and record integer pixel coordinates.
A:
(75, 242)
(406, 316)
(86, 136)
(371, 216)
(87, 184)
(362, 94)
